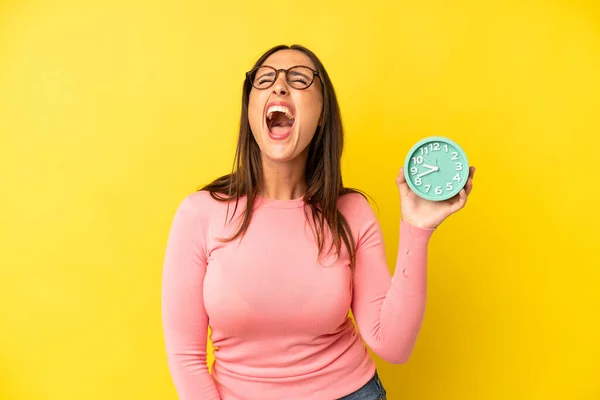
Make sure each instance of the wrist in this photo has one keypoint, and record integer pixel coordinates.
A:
(418, 224)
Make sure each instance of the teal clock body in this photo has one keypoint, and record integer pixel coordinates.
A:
(436, 168)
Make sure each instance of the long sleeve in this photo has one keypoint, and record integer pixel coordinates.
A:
(185, 322)
(389, 309)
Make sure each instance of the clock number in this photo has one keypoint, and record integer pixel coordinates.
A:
(413, 170)
(418, 181)
(446, 147)
(418, 160)
(454, 155)
(432, 147)
(424, 150)
(456, 178)
(438, 190)
(427, 187)
(459, 166)
(449, 186)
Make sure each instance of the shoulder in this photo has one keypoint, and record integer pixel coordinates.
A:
(195, 202)
(199, 205)
(200, 200)
(356, 207)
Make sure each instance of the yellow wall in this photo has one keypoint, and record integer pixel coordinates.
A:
(111, 112)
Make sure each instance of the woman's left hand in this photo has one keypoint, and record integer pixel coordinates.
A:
(430, 214)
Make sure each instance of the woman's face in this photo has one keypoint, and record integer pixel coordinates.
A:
(284, 119)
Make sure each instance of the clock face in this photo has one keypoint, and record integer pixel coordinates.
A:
(436, 168)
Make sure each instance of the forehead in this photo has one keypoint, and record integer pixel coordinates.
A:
(287, 58)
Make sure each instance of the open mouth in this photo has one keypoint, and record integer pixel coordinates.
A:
(280, 120)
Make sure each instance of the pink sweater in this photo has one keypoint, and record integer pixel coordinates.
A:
(279, 317)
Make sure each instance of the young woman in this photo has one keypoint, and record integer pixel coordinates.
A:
(274, 256)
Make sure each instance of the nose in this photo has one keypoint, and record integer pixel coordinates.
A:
(280, 85)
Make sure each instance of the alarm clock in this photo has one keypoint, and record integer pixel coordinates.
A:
(436, 168)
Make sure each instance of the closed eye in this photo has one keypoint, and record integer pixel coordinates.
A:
(299, 77)
(267, 77)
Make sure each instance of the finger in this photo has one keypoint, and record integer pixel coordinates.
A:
(401, 182)
(469, 186)
(462, 200)
(401, 178)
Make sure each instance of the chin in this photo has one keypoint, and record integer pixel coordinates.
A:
(278, 154)
(281, 148)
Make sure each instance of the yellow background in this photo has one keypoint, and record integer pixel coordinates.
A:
(111, 112)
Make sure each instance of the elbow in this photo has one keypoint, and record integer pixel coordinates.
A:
(175, 362)
(396, 357)
(178, 360)
(397, 351)
(397, 347)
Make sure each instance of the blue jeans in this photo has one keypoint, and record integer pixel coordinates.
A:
(372, 390)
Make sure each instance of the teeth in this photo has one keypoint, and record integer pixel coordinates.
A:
(282, 109)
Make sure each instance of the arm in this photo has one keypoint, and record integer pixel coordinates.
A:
(185, 322)
(389, 309)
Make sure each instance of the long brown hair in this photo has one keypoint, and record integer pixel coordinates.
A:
(323, 167)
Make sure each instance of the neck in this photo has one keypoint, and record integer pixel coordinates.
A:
(283, 180)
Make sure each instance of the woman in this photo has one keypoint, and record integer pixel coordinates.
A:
(274, 256)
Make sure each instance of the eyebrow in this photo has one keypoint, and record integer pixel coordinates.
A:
(299, 73)
(265, 74)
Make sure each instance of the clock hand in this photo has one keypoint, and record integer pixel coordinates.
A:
(429, 162)
(431, 167)
(426, 173)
